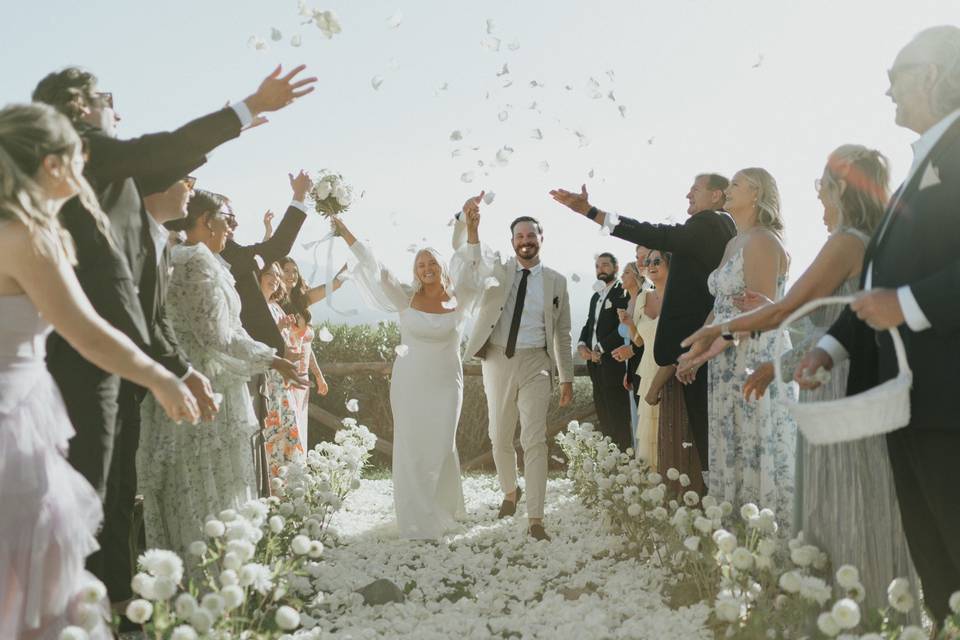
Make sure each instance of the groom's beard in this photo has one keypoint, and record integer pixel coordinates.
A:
(527, 251)
(606, 277)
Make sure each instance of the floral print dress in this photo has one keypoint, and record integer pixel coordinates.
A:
(281, 431)
(752, 442)
(302, 396)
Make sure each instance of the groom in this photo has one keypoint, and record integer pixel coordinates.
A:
(521, 334)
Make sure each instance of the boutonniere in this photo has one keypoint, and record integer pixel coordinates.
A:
(607, 305)
(930, 178)
(556, 302)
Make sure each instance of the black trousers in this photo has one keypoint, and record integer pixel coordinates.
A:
(611, 400)
(695, 398)
(925, 473)
(112, 563)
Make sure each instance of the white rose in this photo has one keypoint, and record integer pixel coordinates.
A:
(846, 613)
(827, 625)
(742, 558)
(185, 605)
(790, 582)
(692, 543)
(955, 602)
(287, 618)
(164, 588)
(214, 529)
(183, 632)
(73, 633)
(276, 524)
(233, 596)
(202, 620)
(847, 576)
(139, 611)
(749, 511)
(197, 548)
(300, 545)
(321, 190)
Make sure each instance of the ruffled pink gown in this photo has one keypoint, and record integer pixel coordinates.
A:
(49, 513)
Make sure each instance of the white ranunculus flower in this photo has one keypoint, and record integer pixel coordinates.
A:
(232, 560)
(142, 584)
(742, 559)
(691, 499)
(804, 556)
(160, 562)
(725, 540)
(764, 562)
(213, 603)
(815, 589)
(827, 625)
(898, 587)
(684, 480)
(703, 525)
(634, 510)
(913, 633)
(229, 577)
(767, 547)
(749, 511)
(300, 545)
(276, 524)
(955, 602)
(87, 615)
(139, 611)
(727, 608)
(197, 548)
(233, 596)
(902, 602)
(692, 543)
(727, 507)
(846, 613)
(164, 588)
(659, 513)
(709, 501)
(202, 619)
(287, 618)
(790, 582)
(715, 513)
(243, 548)
(183, 632)
(871, 636)
(214, 529)
(93, 592)
(353, 405)
(185, 605)
(673, 474)
(228, 515)
(847, 576)
(74, 633)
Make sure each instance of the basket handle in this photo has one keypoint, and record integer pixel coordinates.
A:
(902, 363)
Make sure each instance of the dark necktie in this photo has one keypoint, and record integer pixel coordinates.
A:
(517, 312)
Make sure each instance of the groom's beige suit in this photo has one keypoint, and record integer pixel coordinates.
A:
(518, 388)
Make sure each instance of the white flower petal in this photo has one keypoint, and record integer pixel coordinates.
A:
(375, 82)
(401, 350)
(544, 166)
(296, 40)
(466, 177)
(324, 335)
(623, 110)
(353, 405)
(488, 197)
(503, 115)
(275, 34)
(536, 134)
(395, 20)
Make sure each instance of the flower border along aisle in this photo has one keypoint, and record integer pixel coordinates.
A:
(760, 584)
(253, 570)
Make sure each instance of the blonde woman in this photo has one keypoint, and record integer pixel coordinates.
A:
(49, 513)
(752, 444)
(426, 386)
(847, 486)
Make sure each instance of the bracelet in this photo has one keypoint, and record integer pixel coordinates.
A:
(725, 332)
(593, 213)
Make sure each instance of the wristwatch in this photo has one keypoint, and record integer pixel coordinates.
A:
(593, 213)
(726, 333)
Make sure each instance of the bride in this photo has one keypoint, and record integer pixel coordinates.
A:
(426, 388)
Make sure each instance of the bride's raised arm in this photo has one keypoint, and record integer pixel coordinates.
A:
(378, 286)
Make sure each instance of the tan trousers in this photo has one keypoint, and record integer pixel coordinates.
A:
(519, 388)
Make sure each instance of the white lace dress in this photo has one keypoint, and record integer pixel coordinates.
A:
(426, 394)
(187, 472)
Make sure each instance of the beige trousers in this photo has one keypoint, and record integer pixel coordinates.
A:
(518, 388)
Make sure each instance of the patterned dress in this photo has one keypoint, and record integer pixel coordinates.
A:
(647, 427)
(302, 396)
(752, 443)
(281, 430)
(848, 487)
(186, 471)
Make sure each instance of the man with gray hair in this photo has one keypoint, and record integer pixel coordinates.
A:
(911, 280)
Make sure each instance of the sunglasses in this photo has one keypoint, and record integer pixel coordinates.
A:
(191, 182)
(656, 262)
(105, 98)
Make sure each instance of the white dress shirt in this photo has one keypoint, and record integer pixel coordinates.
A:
(159, 235)
(533, 329)
(596, 316)
(912, 313)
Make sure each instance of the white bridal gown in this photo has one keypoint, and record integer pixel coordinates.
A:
(426, 393)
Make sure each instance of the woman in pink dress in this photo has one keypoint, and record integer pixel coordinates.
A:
(50, 513)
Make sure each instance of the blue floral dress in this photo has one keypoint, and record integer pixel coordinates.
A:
(752, 443)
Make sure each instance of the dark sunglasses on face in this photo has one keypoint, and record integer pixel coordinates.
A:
(191, 182)
(106, 98)
(656, 262)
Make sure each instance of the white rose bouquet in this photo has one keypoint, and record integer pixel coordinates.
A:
(331, 196)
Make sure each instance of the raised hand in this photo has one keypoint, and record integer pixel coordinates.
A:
(301, 185)
(579, 202)
(276, 91)
(267, 225)
(750, 300)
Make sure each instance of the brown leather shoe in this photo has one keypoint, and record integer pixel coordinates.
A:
(508, 507)
(537, 532)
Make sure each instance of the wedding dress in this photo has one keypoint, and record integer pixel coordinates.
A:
(426, 394)
(187, 472)
(49, 513)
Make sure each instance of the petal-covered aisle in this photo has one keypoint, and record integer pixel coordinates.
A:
(489, 579)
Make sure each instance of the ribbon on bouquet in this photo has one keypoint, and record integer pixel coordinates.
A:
(330, 240)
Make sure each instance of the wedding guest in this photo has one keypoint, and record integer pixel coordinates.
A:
(910, 276)
(631, 280)
(281, 430)
(598, 340)
(268, 225)
(300, 296)
(697, 246)
(850, 484)
(183, 473)
(643, 329)
(50, 512)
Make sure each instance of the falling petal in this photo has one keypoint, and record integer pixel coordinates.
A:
(490, 26)
(480, 163)
(275, 34)
(533, 106)
(612, 97)
(456, 135)
(296, 41)
(748, 371)
(456, 153)
(491, 43)
(514, 44)
(257, 43)
(610, 75)
(449, 304)
(608, 305)
(582, 139)
(353, 405)
(304, 10)
(568, 87)
(443, 87)
(623, 110)
(324, 335)
(759, 62)
(650, 141)
(412, 248)
(686, 445)
(393, 64)
(544, 166)
(612, 218)
(467, 177)
(544, 372)
(503, 155)
(488, 197)
(376, 81)
(503, 115)
(575, 277)
(507, 84)
(395, 20)
(590, 173)
(504, 70)
(490, 283)
(534, 84)
(401, 350)
(536, 134)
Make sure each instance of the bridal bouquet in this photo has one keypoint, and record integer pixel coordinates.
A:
(331, 196)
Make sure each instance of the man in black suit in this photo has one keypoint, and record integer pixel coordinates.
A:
(697, 247)
(911, 280)
(598, 339)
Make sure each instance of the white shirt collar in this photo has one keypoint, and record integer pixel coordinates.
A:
(159, 234)
(534, 270)
(925, 143)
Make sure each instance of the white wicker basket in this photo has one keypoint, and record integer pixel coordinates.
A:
(879, 410)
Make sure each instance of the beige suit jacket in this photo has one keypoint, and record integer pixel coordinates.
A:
(491, 300)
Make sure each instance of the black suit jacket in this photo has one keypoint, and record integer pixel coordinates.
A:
(607, 322)
(121, 281)
(254, 313)
(920, 248)
(697, 246)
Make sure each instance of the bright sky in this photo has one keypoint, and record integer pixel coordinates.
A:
(686, 70)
